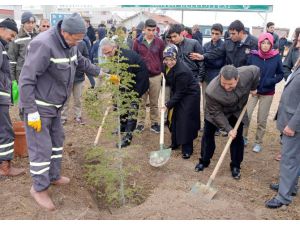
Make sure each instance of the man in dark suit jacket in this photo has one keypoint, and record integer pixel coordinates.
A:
(140, 86)
(288, 123)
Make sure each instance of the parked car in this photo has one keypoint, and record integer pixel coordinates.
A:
(206, 32)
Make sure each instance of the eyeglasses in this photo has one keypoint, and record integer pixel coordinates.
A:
(46, 26)
(109, 52)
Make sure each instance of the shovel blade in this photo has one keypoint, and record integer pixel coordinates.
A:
(160, 157)
(204, 190)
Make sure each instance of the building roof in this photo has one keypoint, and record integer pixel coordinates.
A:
(160, 19)
(257, 30)
(4, 13)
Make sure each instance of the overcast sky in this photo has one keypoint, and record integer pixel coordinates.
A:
(282, 16)
(283, 10)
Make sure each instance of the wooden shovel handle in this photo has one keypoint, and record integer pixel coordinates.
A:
(101, 126)
(162, 112)
(221, 159)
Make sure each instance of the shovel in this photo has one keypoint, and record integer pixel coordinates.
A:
(206, 190)
(160, 157)
(101, 126)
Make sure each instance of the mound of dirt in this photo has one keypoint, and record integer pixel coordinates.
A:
(167, 187)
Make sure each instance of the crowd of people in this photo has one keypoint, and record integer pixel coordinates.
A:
(50, 64)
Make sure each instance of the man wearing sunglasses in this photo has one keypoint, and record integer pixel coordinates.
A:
(45, 83)
(44, 25)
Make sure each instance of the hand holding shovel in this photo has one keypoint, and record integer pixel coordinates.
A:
(205, 189)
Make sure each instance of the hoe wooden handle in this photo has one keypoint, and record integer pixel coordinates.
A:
(221, 159)
(101, 126)
(162, 112)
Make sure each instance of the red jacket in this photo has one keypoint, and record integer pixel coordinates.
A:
(152, 56)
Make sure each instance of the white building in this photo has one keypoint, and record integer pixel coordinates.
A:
(162, 21)
(96, 14)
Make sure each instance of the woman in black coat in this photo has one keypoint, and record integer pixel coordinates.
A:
(184, 104)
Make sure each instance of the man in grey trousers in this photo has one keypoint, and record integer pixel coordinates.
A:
(288, 123)
(45, 83)
(8, 31)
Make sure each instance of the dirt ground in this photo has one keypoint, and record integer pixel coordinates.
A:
(169, 186)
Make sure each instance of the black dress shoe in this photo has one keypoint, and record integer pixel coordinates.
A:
(174, 147)
(115, 132)
(236, 174)
(200, 167)
(126, 140)
(186, 156)
(274, 203)
(122, 129)
(217, 133)
(124, 143)
(275, 187)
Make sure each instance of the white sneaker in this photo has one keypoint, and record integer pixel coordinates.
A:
(257, 148)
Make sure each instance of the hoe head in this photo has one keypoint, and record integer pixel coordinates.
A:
(207, 192)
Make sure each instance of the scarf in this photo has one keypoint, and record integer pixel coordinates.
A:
(269, 54)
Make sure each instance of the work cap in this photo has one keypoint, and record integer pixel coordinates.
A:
(26, 17)
(10, 24)
(73, 24)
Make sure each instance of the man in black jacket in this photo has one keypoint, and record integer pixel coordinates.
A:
(90, 31)
(283, 42)
(140, 86)
(236, 49)
(271, 29)
(188, 51)
(197, 35)
(213, 67)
